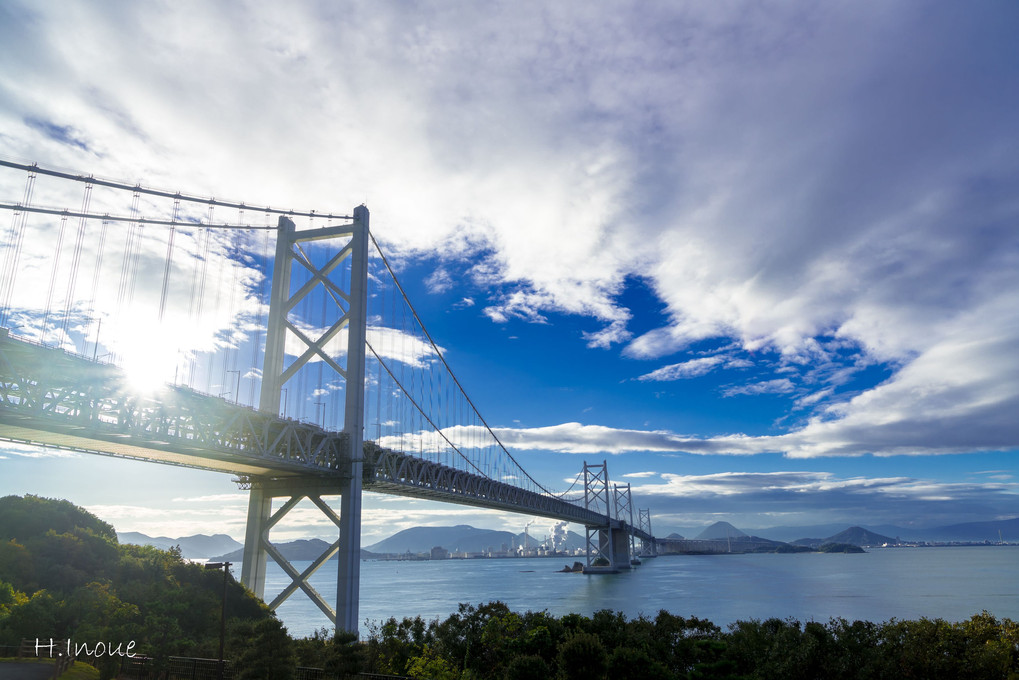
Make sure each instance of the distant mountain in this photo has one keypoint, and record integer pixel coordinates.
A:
(790, 534)
(457, 538)
(976, 531)
(194, 547)
(720, 530)
(465, 538)
(858, 536)
(295, 551)
(674, 536)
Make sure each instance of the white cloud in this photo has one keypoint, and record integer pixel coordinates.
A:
(612, 334)
(578, 438)
(776, 175)
(685, 369)
(439, 281)
(755, 499)
(776, 386)
(239, 497)
(29, 451)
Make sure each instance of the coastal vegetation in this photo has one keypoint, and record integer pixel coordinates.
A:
(64, 575)
(490, 641)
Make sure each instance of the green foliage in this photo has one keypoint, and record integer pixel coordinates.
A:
(9, 598)
(262, 650)
(527, 667)
(80, 671)
(41, 612)
(31, 516)
(490, 641)
(63, 575)
(627, 663)
(339, 654)
(430, 665)
(582, 657)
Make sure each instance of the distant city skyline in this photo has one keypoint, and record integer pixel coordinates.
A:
(763, 260)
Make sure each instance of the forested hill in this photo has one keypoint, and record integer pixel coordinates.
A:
(64, 575)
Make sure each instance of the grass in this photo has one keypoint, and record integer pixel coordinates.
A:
(80, 671)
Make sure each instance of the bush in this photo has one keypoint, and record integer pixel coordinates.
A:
(529, 667)
(582, 657)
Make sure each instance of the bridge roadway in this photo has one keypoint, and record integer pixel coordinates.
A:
(55, 398)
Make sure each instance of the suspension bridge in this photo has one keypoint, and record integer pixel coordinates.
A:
(159, 326)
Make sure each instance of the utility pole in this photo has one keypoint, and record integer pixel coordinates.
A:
(225, 566)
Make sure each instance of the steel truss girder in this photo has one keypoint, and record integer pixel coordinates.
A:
(397, 473)
(48, 396)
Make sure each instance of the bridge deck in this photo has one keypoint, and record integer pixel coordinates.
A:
(54, 398)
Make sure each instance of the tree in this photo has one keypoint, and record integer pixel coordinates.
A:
(527, 667)
(262, 650)
(38, 617)
(626, 663)
(10, 598)
(428, 664)
(582, 657)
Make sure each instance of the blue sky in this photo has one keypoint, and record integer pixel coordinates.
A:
(764, 259)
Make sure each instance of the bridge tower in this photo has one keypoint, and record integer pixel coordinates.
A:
(647, 548)
(624, 512)
(606, 543)
(351, 304)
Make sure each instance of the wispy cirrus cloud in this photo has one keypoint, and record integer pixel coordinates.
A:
(755, 499)
(775, 386)
(693, 368)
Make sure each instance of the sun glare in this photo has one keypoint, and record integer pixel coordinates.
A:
(149, 362)
(147, 373)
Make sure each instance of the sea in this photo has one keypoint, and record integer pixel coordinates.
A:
(951, 583)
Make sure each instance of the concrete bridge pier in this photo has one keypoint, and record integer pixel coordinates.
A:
(608, 550)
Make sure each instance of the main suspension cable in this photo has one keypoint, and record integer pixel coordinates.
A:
(34, 167)
(448, 369)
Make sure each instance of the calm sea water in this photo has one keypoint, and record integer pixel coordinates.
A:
(902, 583)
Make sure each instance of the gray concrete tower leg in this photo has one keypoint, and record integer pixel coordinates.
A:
(254, 560)
(349, 572)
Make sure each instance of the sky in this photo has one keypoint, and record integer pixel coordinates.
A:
(763, 259)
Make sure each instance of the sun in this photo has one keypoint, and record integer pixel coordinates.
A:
(149, 364)
(148, 374)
